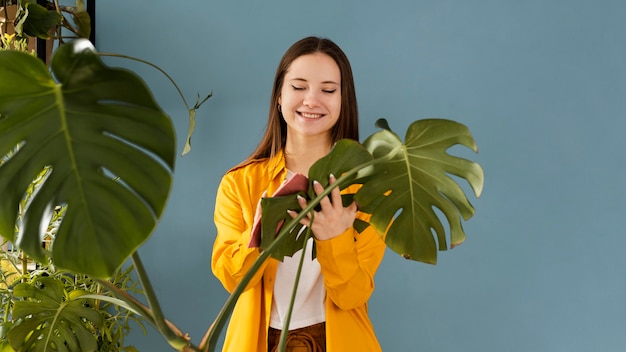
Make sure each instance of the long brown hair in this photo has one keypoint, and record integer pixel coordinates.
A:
(347, 126)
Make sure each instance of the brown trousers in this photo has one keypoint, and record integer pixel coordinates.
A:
(309, 339)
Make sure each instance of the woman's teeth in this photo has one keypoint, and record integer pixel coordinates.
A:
(311, 116)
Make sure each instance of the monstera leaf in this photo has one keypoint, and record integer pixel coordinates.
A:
(412, 179)
(109, 147)
(48, 318)
(402, 183)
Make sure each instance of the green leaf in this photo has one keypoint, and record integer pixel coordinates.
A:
(83, 22)
(345, 155)
(412, 179)
(110, 147)
(36, 20)
(49, 319)
(274, 215)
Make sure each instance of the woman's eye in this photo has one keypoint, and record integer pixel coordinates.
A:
(297, 87)
(330, 91)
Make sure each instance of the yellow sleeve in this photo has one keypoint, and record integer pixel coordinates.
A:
(349, 263)
(234, 213)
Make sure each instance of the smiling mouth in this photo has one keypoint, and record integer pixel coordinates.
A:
(310, 115)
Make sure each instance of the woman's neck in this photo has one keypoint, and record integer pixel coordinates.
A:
(300, 155)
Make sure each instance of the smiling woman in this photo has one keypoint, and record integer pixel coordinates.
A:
(313, 106)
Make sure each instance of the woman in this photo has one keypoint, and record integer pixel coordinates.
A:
(313, 105)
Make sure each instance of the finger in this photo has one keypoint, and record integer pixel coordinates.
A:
(303, 204)
(335, 193)
(301, 201)
(319, 189)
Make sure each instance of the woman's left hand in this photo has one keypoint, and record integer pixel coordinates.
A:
(333, 218)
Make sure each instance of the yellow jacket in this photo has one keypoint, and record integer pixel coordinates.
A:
(348, 264)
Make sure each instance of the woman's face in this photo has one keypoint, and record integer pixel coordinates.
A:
(310, 97)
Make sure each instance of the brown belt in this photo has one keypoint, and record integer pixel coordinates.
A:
(308, 339)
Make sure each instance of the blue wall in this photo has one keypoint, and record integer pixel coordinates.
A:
(540, 83)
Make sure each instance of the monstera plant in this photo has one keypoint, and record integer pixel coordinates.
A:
(110, 154)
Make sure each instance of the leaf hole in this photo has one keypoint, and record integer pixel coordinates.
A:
(51, 218)
(462, 183)
(444, 229)
(11, 153)
(56, 219)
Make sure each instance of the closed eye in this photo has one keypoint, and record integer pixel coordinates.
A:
(297, 87)
(330, 91)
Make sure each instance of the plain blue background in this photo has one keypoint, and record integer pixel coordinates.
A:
(540, 83)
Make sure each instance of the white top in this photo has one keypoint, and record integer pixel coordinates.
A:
(308, 307)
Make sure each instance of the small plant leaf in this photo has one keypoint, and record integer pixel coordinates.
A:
(49, 319)
(83, 22)
(36, 20)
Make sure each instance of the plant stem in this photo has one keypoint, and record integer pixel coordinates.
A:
(180, 93)
(24, 264)
(132, 303)
(175, 340)
(282, 344)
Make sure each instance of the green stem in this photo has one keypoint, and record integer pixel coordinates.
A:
(282, 345)
(180, 93)
(176, 341)
(132, 303)
(24, 260)
(115, 301)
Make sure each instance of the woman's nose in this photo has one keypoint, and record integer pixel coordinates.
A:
(311, 99)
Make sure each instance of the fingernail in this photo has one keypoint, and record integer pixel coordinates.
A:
(299, 197)
(315, 182)
(333, 177)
